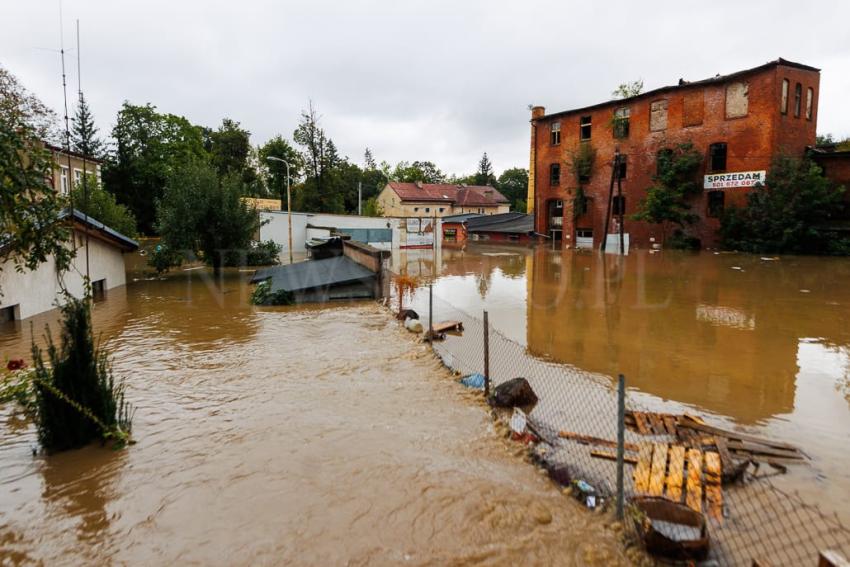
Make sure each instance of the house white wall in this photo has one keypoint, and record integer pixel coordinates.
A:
(276, 227)
(33, 292)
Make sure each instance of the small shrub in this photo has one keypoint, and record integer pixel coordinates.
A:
(262, 295)
(77, 397)
(262, 254)
(162, 258)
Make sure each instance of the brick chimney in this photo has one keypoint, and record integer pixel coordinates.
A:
(537, 112)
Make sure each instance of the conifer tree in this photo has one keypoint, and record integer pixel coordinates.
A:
(84, 137)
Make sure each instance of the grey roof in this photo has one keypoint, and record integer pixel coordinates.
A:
(506, 222)
(461, 218)
(97, 225)
(311, 274)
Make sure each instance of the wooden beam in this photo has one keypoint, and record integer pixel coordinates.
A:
(736, 435)
(608, 455)
(693, 497)
(594, 440)
(642, 424)
(659, 469)
(643, 468)
(674, 476)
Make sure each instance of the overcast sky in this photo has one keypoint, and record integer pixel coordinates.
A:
(430, 80)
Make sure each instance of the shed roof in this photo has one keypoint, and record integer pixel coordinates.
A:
(104, 231)
(311, 274)
(461, 218)
(507, 222)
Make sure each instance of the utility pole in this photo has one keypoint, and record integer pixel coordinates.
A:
(610, 199)
(288, 202)
(622, 207)
(359, 198)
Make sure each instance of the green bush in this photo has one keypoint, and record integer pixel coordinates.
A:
(77, 397)
(263, 254)
(262, 295)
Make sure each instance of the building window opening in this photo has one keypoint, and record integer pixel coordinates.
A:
(584, 128)
(555, 174)
(810, 100)
(98, 289)
(427, 209)
(621, 122)
(618, 205)
(717, 156)
(7, 314)
(450, 235)
(63, 179)
(555, 134)
(798, 99)
(441, 209)
(621, 167)
(716, 202)
(783, 106)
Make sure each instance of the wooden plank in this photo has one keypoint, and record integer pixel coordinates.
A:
(693, 496)
(736, 435)
(670, 424)
(713, 493)
(589, 439)
(657, 424)
(831, 558)
(693, 418)
(643, 468)
(756, 449)
(659, 468)
(726, 460)
(611, 456)
(674, 474)
(642, 424)
(444, 326)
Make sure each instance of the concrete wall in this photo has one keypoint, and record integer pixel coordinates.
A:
(275, 228)
(34, 292)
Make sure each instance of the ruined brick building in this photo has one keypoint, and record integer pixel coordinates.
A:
(738, 122)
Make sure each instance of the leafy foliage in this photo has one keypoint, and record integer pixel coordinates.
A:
(261, 254)
(628, 90)
(580, 203)
(30, 225)
(203, 214)
(513, 184)
(96, 202)
(262, 295)
(424, 171)
(485, 175)
(274, 172)
(78, 398)
(789, 213)
(666, 201)
(581, 161)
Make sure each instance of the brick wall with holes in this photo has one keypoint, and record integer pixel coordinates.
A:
(746, 111)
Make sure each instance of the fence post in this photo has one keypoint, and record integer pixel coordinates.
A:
(486, 355)
(430, 312)
(621, 442)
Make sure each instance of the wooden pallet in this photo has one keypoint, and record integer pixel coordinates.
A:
(649, 423)
(681, 475)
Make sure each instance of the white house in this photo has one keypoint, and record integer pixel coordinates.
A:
(29, 293)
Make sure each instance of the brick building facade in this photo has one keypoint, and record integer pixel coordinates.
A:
(737, 122)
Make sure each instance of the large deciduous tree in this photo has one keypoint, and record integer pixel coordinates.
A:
(513, 184)
(149, 147)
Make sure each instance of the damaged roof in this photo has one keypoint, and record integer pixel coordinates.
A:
(311, 274)
(519, 223)
(683, 84)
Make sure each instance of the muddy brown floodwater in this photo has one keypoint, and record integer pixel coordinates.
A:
(280, 436)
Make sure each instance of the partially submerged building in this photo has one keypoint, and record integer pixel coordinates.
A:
(507, 227)
(430, 200)
(32, 292)
(738, 122)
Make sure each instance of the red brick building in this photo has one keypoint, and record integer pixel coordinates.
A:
(738, 122)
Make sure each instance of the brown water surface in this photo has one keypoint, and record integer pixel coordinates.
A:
(279, 436)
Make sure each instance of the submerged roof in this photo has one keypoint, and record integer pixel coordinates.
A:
(507, 222)
(311, 274)
(461, 218)
(462, 195)
(683, 84)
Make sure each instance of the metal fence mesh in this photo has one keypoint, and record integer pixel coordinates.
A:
(759, 522)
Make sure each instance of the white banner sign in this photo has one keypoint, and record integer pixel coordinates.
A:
(730, 180)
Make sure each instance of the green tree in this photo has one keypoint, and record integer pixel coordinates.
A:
(274, 172)
(29, 206)
(229, 148)
(484, 175)
(789, 213)
(84, 135)
(320, 191)
(203, 214)
(371, 208)
(666, 201)
(628, 90)
(369, 160)
(149, 147)
(96, 202)
(513, 184)
(424, 171)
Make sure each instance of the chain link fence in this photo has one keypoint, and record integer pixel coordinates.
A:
(752, 522)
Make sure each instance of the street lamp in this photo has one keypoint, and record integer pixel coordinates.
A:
(288, 201)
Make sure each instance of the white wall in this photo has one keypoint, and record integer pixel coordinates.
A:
(276, 230)
(36, 291)
(276, 227)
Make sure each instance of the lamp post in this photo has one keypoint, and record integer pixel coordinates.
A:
(288, 202)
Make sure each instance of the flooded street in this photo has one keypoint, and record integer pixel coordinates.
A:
(757, 343)
(280, 436)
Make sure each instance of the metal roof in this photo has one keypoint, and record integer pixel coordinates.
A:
(92, 222)
(507, 222)
(311, 274)
(461, 218)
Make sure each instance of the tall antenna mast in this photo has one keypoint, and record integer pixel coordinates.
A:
(85, 172)
(67, 148)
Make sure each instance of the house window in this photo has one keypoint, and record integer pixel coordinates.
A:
(554, 174)
(621, 167)
(717, 156)
(7, 314)
(98, 289)
(716, 201)
(621, 122)
(78, 177)
(513, 237)
(618, 205)
(450, 234)
(584, 128)
(810, 99)
(798, 99)
(415, 209)
(441, 209)
(658, 115)
(783, 106)
(584, 233)
(555, 134)
(427, 209)
(63, 179)
(663, 159)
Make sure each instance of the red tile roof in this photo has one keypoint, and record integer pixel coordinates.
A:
(460, 195)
